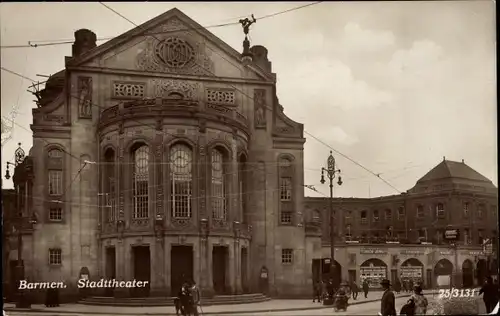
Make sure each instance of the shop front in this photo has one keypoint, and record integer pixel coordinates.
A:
(412, 269)
(373, 271)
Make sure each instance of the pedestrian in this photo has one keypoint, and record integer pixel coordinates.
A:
(185, 299)
(317, 289)
(388, 302)
(354, 290)
(408, 309)
(490, 294)
(365, 288)
(420, 301)
(196, 298)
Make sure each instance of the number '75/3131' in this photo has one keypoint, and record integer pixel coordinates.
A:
(450, 293)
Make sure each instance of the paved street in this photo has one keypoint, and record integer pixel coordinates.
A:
(274, 307)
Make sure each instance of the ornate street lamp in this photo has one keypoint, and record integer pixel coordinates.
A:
(331, 173)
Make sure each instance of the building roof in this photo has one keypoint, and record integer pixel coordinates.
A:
(448, 169)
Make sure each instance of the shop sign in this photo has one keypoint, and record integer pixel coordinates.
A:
(445, 253)
(373, 251)
(451, 234)
(412, 252)
(411, 272)
(476, 253)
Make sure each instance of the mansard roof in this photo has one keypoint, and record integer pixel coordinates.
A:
(449, 170)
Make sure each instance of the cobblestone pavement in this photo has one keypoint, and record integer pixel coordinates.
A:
(251, 308)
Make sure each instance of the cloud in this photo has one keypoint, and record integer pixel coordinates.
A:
(339, 136)
(324, 84)
(359, 40)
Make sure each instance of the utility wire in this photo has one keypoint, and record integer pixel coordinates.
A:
(322, 142)
(350, 159)
(40, 43)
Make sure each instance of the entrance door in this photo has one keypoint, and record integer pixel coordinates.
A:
(244, 271)
(467, 274)
(110, 270)
(316, 270)
(352, 276)
(219, 258)
(142, 269)
(181, 263)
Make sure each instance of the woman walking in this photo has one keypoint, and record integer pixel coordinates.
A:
(420, 301)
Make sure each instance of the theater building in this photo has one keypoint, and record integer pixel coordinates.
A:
(401, 236)
(164, 155)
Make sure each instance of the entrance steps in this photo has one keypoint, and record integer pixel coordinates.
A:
(169, 301)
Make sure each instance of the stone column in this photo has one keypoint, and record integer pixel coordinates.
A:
(159, 218)
(231, 271)
(209, 272)
(237, 266)
(167, 266)
(121, 270)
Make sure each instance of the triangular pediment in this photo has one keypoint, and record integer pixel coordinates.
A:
(171, 43)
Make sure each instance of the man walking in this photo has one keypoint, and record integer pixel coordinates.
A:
(354, 290)
(490, 294)
(195, 293)
(388, 303)
(365, 288)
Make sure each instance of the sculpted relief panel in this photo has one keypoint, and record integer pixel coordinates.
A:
(176, 51)
(165, 87)
(84, 97)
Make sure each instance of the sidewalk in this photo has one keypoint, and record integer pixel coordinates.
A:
(263, 307)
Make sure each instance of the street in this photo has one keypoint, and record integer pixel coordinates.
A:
(371, 308)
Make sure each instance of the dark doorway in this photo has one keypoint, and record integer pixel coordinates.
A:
(316, 270)
(467, 274)
(352, 276)
(110, 270)
(219, 268)
(481, 271)
(181, 263)
(141, 257)
(14, 278)
(325, 271)
(244, 270)
(429, 282)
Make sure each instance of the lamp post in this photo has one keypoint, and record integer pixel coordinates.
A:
(331, 173)
(21, 222)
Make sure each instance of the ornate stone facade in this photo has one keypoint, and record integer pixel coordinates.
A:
(169, 156)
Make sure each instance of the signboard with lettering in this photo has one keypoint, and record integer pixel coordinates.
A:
(445, 253)
(451, 234)
(411, 272)
(373, 251)
(412, 252)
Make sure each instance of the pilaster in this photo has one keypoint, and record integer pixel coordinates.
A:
(167, 266)
(231, 272)
(237, 266)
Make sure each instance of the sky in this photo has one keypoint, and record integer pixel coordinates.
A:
(394, 86)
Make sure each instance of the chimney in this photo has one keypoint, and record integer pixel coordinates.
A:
(85, 40)
(260, 57)
(444, 158)
(463, 161)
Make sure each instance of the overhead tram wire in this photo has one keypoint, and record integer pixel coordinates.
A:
(234, 87)
(251, 98)
(42, 43)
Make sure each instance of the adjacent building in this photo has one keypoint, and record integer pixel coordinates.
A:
(402, 236)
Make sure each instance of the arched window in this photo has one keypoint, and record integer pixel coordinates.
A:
(375, 216)
(55, 179)
(109, 185)
(140, 185)
(55, 173)
(181, 177)
(388, 214)
(286, 181)
(219, 201)
(243, 178)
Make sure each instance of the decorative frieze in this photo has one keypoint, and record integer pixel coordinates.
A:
(221, 96)
(128, 90)
(165, 88)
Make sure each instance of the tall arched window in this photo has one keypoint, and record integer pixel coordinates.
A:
(286, 178)
(55, 172)
(55, 177)
(181, 177)
(219, 188)
(109, 185)
(140, 185)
